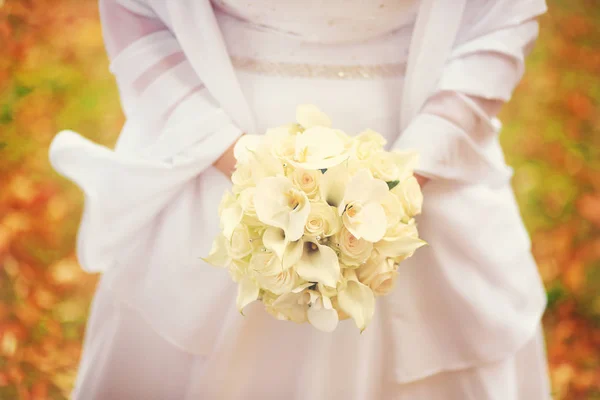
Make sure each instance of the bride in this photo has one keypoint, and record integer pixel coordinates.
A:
(463, 322)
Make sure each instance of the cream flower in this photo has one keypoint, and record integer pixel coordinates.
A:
(219, 252)
(318, 263)
(264, 263)
(242, 177)
(383, 165)
(246, 147)
(394, 211)
(319, 148)
(407, 161)
(248, 292)
(292, 306)
(278, 203)
(379, 273)
(309, 116)
(240, 244)
(238, 269)
(400, 242)
(282, 141)
(307, 181)
(353, 251)
(288, 252)
(323, 220)
(361, 209)
(356, 300)
(367, 143)
(410, 196)
(279, 283)
(231, 214)
(321, 313)
(333, 185)
(246, 201)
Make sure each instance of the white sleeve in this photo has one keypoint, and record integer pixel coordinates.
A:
(174, 130)
(456, 129)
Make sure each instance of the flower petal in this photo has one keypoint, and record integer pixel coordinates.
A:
(219, 255)
(370, 224)
(319, 264)
(322, 318)
(333, 185)
(245, 147)
(357, 300)
(274, 240)
(309, 115)
(230, 219)
(364, 188)
(407, 161)
(247, 293)
(403, 247)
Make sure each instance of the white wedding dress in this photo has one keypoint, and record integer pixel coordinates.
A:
(463, 322)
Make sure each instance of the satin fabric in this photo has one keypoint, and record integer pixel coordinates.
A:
(470, 300)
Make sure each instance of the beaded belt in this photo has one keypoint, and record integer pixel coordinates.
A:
(325, 71)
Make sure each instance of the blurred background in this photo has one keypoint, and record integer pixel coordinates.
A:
(54, 75)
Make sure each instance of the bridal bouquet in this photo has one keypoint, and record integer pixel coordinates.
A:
(317, 221)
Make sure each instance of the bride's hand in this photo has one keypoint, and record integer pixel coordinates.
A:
(421, 179)
(226, 163)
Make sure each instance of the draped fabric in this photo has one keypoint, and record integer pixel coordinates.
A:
(471, 299)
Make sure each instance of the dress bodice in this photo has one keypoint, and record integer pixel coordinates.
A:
(325, 21)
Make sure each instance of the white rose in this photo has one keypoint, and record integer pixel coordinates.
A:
(383, 166)
(353, 251)
(322, 221)
(394, 211)
(246, 201)
(400, 241)
(291, 307)
(307, 181)
(238, 269)
(379, 273)
(368, 143)
(410, 196)
(280, 283)
(242, 178)
(282, 141)
(240, 244)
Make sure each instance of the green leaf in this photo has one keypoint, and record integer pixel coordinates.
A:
(323, 170)
(392, 184)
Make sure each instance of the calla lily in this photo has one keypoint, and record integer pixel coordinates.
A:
(219, 254)
(288, 252)
(265, 263)
(279, 204)
(247, 293)
(319, 147)
(361, 209)
(322, 315)
(318, 264)
(309, 115)
(357, 300)
(333, 185)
